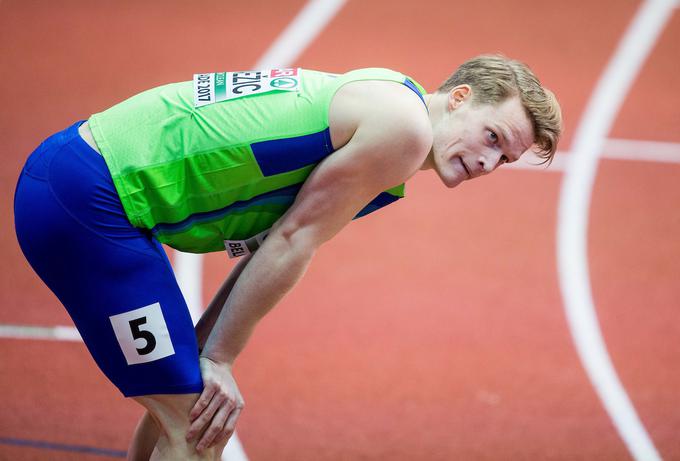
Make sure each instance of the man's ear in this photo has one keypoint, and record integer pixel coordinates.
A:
(458, 95)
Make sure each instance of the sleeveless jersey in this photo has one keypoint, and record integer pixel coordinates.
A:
(207, 163)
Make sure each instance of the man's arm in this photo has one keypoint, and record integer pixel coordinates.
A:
(385, 150)
(209, 317)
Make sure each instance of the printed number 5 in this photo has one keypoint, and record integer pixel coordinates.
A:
(142, 334)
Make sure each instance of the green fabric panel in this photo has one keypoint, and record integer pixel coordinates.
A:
(159, 194)
(161, 128)
(397, 190)
(209, 235)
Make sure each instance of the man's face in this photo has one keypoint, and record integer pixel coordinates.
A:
(472, 140)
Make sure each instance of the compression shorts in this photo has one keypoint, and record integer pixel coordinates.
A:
(115, 280)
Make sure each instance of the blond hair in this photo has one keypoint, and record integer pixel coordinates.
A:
(494, 78)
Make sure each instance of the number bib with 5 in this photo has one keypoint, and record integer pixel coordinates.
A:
(142, 334)
(223, 86)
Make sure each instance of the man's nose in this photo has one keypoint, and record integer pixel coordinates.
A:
(488, 161)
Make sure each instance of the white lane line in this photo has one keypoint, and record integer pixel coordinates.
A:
(188, 269)
(614, 149)
(650, 151)
(572, 229)
(58, 333)
(295, 38)
(305, 27)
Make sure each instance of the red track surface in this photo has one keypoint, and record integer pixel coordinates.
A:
(432, 330)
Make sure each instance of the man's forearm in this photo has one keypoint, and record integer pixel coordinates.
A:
(271, 273)
(209, 317)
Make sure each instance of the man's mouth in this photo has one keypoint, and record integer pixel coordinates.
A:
(465, 166)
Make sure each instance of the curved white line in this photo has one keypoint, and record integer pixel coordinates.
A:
(572, 228)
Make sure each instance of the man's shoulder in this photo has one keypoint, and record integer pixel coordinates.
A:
(385, 108)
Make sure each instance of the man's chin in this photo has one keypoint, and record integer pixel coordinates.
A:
(453, 182)
(451, 178)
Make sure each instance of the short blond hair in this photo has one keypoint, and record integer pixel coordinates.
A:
(494, 78)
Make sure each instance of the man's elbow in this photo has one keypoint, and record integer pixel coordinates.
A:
(295, 240)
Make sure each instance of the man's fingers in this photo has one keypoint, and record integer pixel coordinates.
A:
(212, 434)
(231, 421)
(202, 402)
(204, 418)
(230, 425)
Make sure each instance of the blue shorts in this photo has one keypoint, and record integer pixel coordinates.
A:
(115, 280)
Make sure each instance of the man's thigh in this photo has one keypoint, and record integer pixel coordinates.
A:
(114, 280)
(135, 323)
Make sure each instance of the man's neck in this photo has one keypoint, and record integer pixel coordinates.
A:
(428, 164)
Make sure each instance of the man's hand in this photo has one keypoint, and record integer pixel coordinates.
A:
(218, 407)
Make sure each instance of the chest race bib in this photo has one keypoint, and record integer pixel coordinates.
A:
(223, 86)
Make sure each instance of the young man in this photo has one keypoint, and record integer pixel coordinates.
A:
(267, 164)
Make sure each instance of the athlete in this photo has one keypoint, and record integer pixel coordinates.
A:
(266, 165)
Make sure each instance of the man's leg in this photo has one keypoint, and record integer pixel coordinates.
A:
(144, 439)
(170, 415)
(119, 288)
(147, 431)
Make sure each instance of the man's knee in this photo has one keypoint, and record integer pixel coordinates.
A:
(169, 411)
(171, 414)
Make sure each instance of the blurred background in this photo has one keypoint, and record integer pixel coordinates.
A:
(432, 330)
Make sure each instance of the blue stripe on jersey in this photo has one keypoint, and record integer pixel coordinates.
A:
(383, 199)
(283, 196)
(282, 155)
(278, 156)
(410, 84)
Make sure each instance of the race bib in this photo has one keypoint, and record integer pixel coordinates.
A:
(222, 86)
(237, 248)
(142, 334)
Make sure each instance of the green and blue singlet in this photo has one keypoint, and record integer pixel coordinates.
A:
(214, 162)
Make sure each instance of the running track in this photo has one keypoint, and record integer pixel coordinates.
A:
(433, 330)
